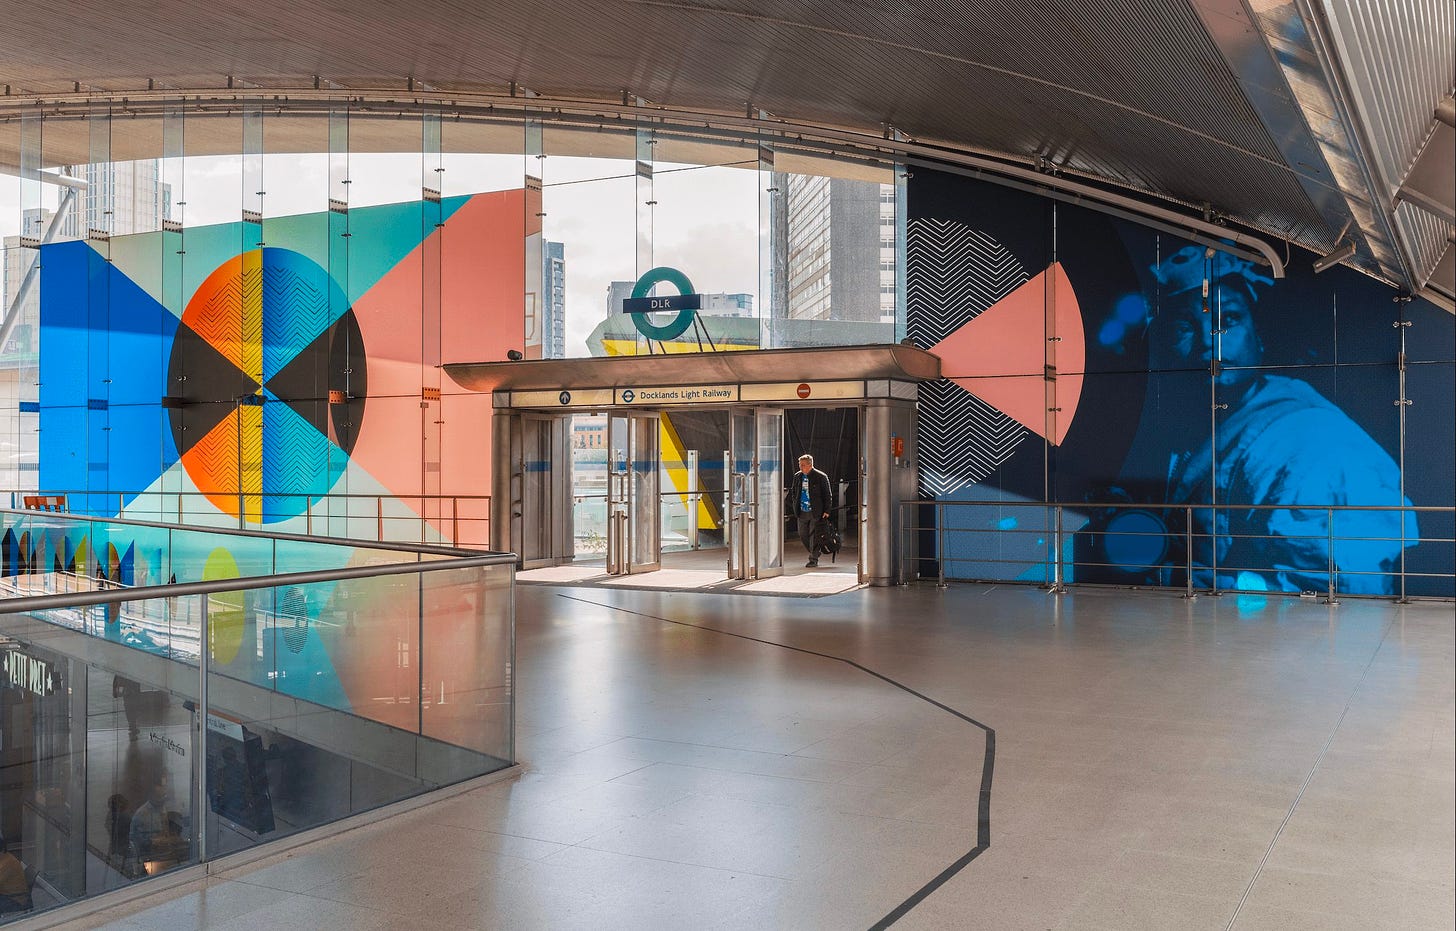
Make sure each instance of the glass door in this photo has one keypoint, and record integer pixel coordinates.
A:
(769, 518)
(536, 486)
(619, 494)
(646, 523)
(743, 511)
(634, 535)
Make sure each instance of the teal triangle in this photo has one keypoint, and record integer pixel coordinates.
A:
(379, 237)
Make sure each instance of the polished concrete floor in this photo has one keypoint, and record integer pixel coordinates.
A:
(706, 570)
(974, 757)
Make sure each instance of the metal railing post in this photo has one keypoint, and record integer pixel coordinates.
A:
(1402, 600)
(1330, 543)
(308, 516)
(940, 541)
(1212, 549)
(379, 516)
(1188, 552)
(455, 520)
(199, 780)
(1058, 570)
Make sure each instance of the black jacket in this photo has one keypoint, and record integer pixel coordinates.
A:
(821, 494)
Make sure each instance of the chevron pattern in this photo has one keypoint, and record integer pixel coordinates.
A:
(297, 311)
(954, 272)
(962, 438)
(266, 313)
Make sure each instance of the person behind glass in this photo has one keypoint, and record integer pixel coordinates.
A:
(118, 827)
(149, 820)
(811, 499)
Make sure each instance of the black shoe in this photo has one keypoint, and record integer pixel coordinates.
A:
(812, 564)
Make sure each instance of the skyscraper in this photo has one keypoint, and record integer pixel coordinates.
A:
(124, 197)
(833, 249)
(553, 290)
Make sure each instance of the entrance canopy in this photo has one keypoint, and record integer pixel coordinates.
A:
(770, 375)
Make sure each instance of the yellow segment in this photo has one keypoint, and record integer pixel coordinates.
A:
(675, 461)
(224, 609)
(250, 466)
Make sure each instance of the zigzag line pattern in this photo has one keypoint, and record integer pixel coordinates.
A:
(216, 322)
(295, 312)
(295, 458)
(968, 440)
(952, 274)
(217, 455)
(251, 322)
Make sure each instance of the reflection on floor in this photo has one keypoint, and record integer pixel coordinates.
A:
(1158, 763)
(706, 570)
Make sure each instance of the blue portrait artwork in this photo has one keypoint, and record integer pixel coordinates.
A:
(1282, 461)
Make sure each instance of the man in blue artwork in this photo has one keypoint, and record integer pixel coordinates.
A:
(1280, 446)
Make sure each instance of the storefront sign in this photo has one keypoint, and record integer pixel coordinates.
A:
(30, 674)
(680, 394)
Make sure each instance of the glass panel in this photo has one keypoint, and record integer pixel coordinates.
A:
(589, 484)
(587, 202)
(141, 746)
(645, 501)
(705, 225)
(833, 230)
(770, 492)
(313, 698)
(618, 494)
(465, 667)
(741, 490)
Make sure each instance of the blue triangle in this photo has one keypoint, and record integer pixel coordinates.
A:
(104, 349)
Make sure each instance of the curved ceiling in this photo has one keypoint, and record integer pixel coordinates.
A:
(1233, 107)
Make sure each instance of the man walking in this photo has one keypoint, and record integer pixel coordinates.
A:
(812, 500)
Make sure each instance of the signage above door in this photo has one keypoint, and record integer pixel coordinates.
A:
(650, 396)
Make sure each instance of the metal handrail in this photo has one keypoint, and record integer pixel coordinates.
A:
(426, 548)
(28, 603)
(1056, 563)
(454, 517)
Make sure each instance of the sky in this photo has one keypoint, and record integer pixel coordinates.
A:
(705, 222)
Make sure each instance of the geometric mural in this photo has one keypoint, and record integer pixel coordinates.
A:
(260, 346)
(1184, 376)
(972, 303)
(266, 376)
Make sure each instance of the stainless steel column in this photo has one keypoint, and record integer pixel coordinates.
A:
(886, 481)
(563, 541)
(505, 530)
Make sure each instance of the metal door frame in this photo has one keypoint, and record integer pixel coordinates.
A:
(741, 515)
(554, 524)
(630, 513)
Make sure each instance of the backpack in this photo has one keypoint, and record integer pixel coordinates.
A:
(827, 538)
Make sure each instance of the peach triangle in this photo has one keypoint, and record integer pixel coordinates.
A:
(1003, 355)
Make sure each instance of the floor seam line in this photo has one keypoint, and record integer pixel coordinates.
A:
(983, 827)
(1279, 832)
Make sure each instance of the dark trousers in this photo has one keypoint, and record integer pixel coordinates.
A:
(807, 523)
